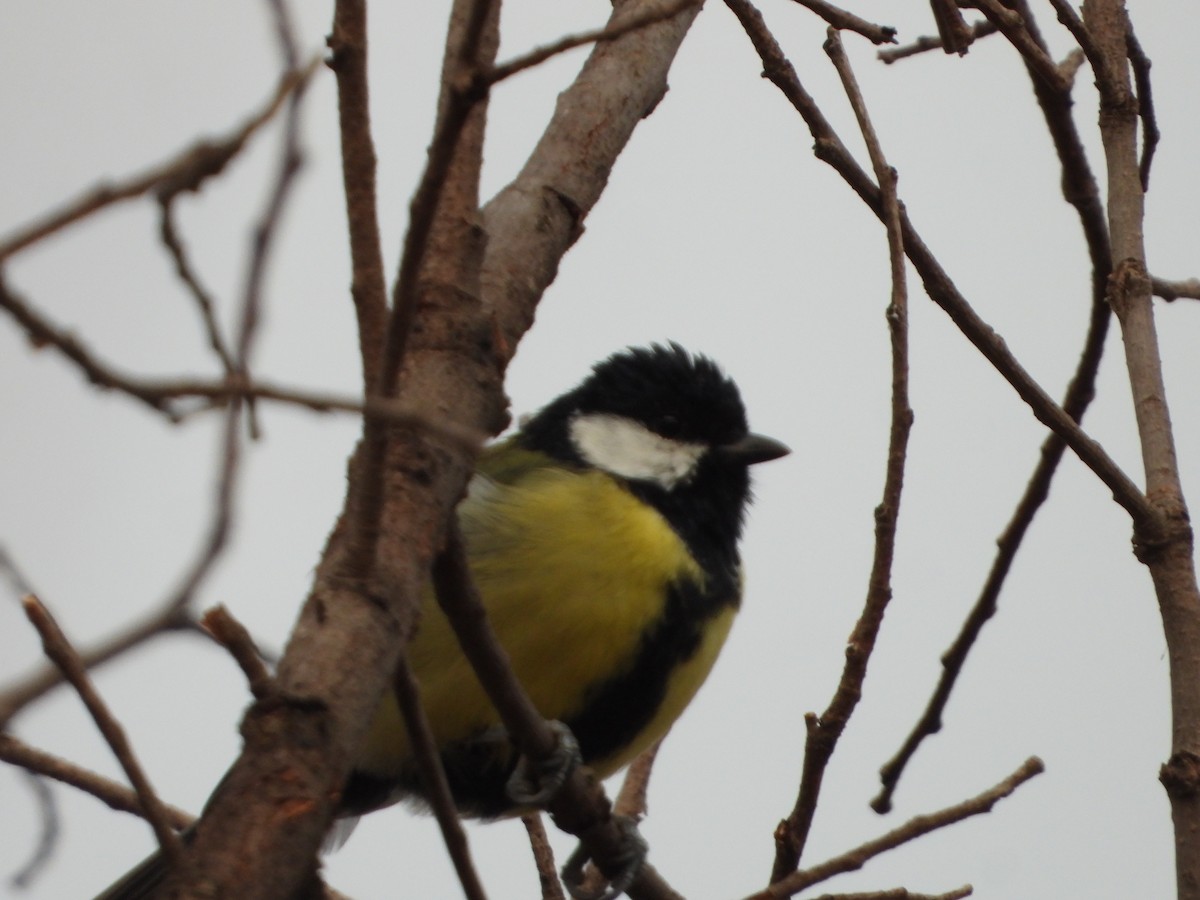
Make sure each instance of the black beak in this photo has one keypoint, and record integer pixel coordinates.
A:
(753, 448)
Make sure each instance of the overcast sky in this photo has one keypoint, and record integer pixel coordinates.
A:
(718, 230)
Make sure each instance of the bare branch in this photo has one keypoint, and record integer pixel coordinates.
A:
(1175, 290)
(825, 731)
(368, 288)
(543, 857)
(169, 235)
(1141, 79)
(233, 636)
(433, 778)
(160, 395)
(186, 171)
(889, 55)
(285, 33)
(115, 796)
(56, 646)
(938, 285)
(43, 850)
(16, 579)
(901, 894)
(1165, 544)
(1013, 26)
(1080, 190)
(490, 76)
(914, 828)
(954, 35)
(33, 686)
(848, 21)
(631, 801)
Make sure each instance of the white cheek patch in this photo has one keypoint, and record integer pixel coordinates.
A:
(624, 447)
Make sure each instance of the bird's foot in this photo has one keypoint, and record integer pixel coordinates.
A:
(632, 856)
(534, 784)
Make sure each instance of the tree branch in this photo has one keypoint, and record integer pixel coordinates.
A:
(186, 171)
(938, 285)
(115, 796)
(1080, 190)
(889, 55)
(825, 731)
(914, 828)
(848, 21)
(60, 651)
(1166, 544)
(368, 288)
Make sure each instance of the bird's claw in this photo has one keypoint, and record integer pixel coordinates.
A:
(534, 784)
(634, 850)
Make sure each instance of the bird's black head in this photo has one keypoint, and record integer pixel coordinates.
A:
(671, 427)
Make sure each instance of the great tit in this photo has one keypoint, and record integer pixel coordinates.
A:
(603, 538)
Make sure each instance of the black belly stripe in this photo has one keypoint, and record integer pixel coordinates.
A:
(615, 711)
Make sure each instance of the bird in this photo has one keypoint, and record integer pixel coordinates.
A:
(603, 537)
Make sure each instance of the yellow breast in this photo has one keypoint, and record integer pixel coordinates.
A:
(573, 570)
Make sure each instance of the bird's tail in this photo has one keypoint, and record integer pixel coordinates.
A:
(143, 880)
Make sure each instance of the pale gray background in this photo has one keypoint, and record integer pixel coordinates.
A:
(718, 230)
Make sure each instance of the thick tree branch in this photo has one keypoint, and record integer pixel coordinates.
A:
(401, 485)
(533, 221)
(1166, 548)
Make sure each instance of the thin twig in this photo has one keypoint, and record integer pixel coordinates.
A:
(918, 826)
(285, 33)
(116, 796)
(490, 76)
(1175, 290)
(160, 394)
(1080, 190)
(267, 228)
(1140, 63)
(47, 838)
(938, 285)
(368, 287)
(169, 235)
(543, 857)
(16, 579)
(843, 19)
(433, 779)
(60, 651)
(458, 101)
(825, 731)
(185, 171)
(20, 694)
(954, 34)
(1106, 76)
(631, 799)
(980, 29)
(233, 636)
(901, 894)
(1013, 26)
